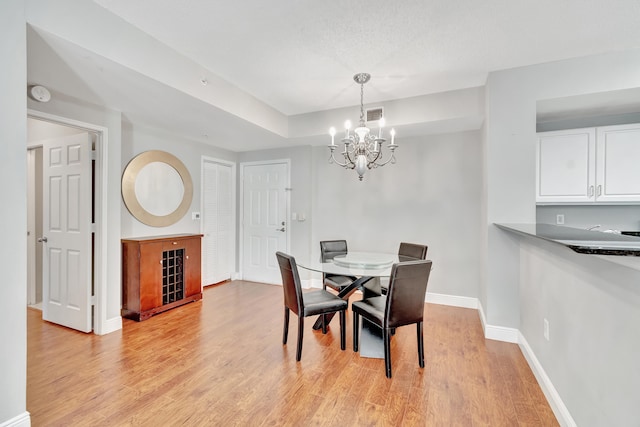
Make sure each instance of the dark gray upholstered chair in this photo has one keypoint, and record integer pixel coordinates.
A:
(412, 251)
(406, 252)
(328, 250)
(403, 305)
(308, 303)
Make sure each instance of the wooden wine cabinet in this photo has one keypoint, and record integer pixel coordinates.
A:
(159, 273)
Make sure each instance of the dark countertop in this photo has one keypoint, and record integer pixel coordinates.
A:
(581, 241)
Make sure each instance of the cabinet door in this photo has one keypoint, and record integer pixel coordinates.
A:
(192, 267)
(565, 166)
(150, 275)
(618, 168)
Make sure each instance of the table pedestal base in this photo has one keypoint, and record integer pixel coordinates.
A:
(371, 343)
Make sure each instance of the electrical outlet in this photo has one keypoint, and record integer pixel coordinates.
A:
(546, 329)
(195, 215)
(560, 219)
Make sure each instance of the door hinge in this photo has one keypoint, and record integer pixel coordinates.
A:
(93, 300)
(93, 227)
(93, 154)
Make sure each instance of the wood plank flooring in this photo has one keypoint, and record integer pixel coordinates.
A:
(221, 362)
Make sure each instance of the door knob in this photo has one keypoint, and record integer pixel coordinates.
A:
(280, 229)
(42, 239)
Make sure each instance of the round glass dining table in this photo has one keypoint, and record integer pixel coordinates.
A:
(366, 266)
(360, 264)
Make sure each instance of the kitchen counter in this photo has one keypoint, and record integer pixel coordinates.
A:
(581, 241)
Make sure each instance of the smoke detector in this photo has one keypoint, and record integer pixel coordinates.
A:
(40, 93)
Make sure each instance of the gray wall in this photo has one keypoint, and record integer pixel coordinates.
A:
(13, 224)
(610, 217)
(593, 309)
(595, 300)
(431, 196)
(137, 139)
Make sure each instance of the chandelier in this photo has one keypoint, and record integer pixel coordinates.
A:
(362, 149)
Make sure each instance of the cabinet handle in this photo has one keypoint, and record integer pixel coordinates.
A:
(591, 191)
(175, 243)
(599, 190)
(187, 256)
(161, 262)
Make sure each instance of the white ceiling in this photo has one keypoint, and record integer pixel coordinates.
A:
(300, 56)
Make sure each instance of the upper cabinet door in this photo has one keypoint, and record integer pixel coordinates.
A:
(618, 163)
(565, 166)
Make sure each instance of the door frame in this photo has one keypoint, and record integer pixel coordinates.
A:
(287, 162)
(100, 186)
(234, 192)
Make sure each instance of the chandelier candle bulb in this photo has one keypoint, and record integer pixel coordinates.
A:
(381, 126)
(332, 132)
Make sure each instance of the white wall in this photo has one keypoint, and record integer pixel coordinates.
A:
(511, 287)
(13, 224)
(430, 196)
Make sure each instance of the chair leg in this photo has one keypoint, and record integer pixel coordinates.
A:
(420, 344)
(286, 325)
(356, 331)
(386, 337)
(343, 333)
(324, 324)
(300, 334)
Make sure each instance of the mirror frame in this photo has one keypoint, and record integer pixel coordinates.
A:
(129, 188)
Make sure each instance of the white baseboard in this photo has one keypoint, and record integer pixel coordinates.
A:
(22, 420)
(452, 300)
(498, 333)
(109, 325)
(557, 405)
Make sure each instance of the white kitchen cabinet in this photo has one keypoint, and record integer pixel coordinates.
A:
(590, 165)
(565, 166)
(618, 163)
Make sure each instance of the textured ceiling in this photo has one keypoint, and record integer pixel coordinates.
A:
(300, 56)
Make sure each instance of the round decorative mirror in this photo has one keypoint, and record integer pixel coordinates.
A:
(157, 188)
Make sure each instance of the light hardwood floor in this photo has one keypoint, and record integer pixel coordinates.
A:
(221, 362)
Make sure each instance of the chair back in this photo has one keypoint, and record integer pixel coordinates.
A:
(331, 248)
(290, 282)
(409, 251)
(406, 293)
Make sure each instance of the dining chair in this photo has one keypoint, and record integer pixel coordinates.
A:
(406, 252)
(328, 250)
(403, 305)
(305, 304)
(410, 251)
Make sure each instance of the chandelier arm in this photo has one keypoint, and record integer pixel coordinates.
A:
(390, 159)
(332, 159)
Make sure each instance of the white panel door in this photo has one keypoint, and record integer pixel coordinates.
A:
(264, 220)
(218, 226)
(565, 165)
(67, 252)
(618, 170)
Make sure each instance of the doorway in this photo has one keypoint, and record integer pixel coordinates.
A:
(60, 222)
(218, 220)
(265, 210)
